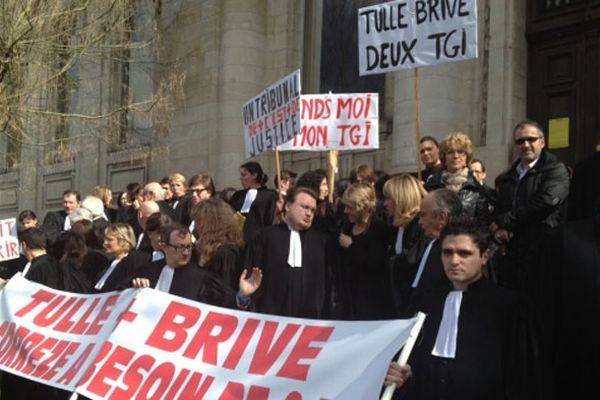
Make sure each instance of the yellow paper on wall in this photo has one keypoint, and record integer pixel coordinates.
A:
(558, 133)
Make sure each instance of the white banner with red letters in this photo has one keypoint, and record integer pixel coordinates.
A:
(9, 242)
(337, 122)
(149, 344)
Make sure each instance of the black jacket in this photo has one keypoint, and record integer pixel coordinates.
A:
(538, 198)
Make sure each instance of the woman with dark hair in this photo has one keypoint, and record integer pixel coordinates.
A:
(75, 250)
(221, 240)
(325, 217)
(201, 187)
(254, 202)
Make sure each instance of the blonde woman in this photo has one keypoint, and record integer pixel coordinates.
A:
(119, 244)
(362, 256)
(402, 200)
(456, 151)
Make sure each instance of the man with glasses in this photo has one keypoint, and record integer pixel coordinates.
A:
(530, 201)
(179, 275)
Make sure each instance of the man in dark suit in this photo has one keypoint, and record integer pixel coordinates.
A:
(56, 222)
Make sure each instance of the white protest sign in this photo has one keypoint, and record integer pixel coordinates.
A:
(9, 242)
(408, 34)
(337, 122)
(51, 336)
(149, 344)
(271, 118)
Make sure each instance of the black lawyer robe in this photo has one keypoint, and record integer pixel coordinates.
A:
(46, 271)
(302, 292)
(191, 282)
(496, 349)
(261, 212)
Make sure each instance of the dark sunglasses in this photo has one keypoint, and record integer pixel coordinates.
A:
(531, 139)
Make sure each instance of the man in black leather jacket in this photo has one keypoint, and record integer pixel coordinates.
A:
(531, 200)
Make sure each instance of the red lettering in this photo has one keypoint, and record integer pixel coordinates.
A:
(196, 388)
(59, 359)
(44, 365)
(111, 369)
(66, 323)
(39, 297)
(12, 251)
(103, 315)
(82, 324)
(238, 348)
(12, 351)
(157, 383)
(292, 368)
(226, 325)
(74, 369)
(177, 383)
(30, 342)
(267, 352)
(91, 371)
(169, 326)
(53, 310)
(133, 378)
(235, 391)
(368, 129)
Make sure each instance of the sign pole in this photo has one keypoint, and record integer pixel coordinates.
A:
(332, 160)
(278, 170)
(417, 123)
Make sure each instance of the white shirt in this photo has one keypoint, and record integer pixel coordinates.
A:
(295, 252)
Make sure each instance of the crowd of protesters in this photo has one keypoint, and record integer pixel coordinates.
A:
(494, 267)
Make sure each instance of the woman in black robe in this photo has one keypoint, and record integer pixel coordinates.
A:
(362, 257)
(221, 241)
(255, 202)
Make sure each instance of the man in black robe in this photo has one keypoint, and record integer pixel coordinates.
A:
(438, 208)
(56, 222)
(177, 274)
(293, 258)
(42, 267)
(477, 341)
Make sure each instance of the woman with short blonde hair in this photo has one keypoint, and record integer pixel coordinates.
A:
(362, 258)
(403, 194)
(456, 151)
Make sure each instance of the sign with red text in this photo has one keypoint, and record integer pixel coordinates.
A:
(166, 347)
(51, 336)
(337, 122)
(9, 242)
(271, 117)
(408, 34)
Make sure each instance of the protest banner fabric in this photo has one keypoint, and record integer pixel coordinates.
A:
(408, 34)
(271, 117)
(9, 242)
(337, 122)
(166, 347)
(51, 336)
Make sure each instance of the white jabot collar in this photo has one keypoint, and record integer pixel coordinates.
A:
(248, 200)
(109, 271)
(295, 254)
(422, 264)
(399, 238)
(165, 279)
(445, 342)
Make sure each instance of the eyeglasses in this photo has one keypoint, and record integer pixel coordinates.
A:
(530, 140)
(181, 249)
(197, 191)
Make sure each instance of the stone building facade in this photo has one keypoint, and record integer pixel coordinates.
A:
(226, 51)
